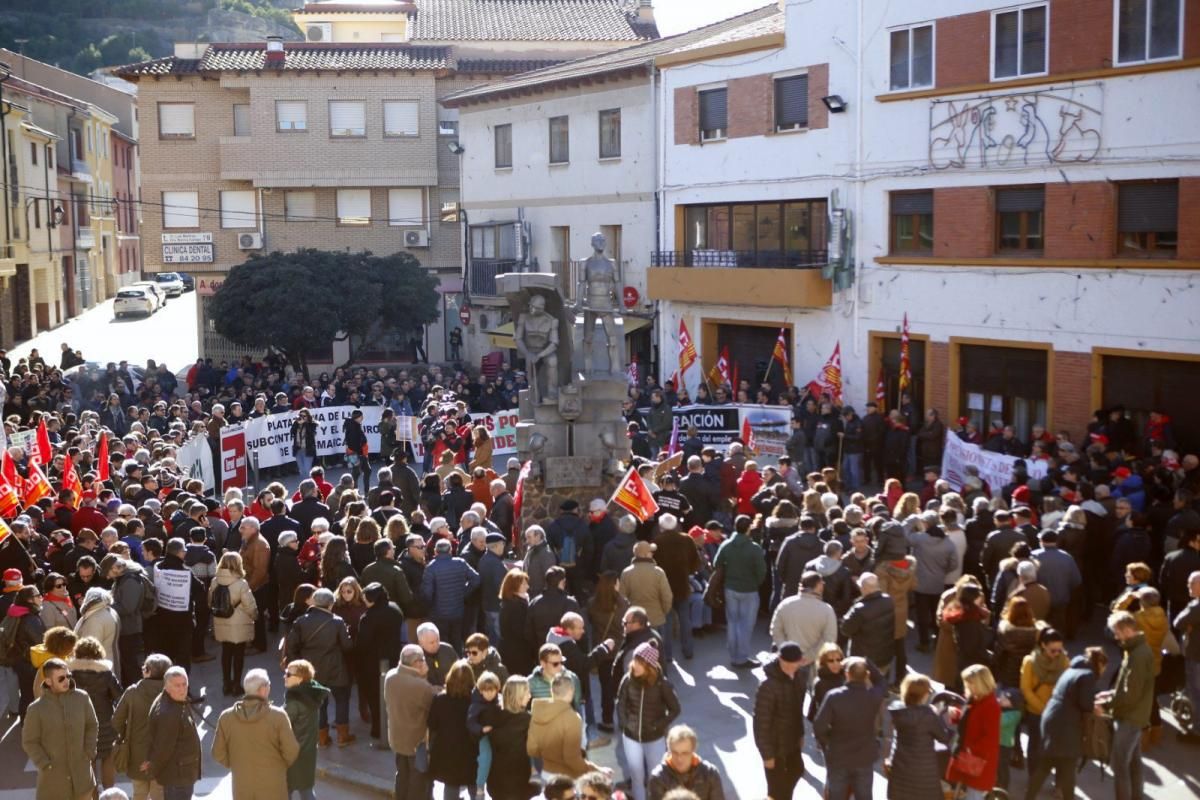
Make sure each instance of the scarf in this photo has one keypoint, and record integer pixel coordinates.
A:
(1047, 670)
(62, 601)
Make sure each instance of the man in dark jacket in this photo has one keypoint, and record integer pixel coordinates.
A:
(491, 575)
(850, 744)
(320, 637)
(309, 508)
(1187, 620)
(779, 721)
(548, 608)
(999, 544)
(288, 574)
(174, 617)
(412, 561)
(407, 483)
(682, 769)
(869, 624)
(502, 507)
(387, 573)
(874, 430)
(174, 756)
(1175, 575)
(931, 439)
(853, 446)
(618, 553)
(794, 554)
(447, 582)
(702, 494)
(677, 555)
(571, 540)
(455, 500)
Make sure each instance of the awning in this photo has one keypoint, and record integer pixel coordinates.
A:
(502, 337)
(635, 324)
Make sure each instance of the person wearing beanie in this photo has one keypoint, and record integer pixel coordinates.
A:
(647, 706)
(779, 719)
(676, 554)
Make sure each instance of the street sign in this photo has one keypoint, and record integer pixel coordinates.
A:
(464, 315)
(187, 238)
(630, 296)
(207, 287)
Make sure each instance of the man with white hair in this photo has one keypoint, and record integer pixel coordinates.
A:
(1037, 594)
(409, 695)
(1188, 621)
(446, 587)
(438, 655)
(870, 624)
(256, 563)
(173, 760)
(255, 741)
(503, 507)
(538, 558)
(321, 637)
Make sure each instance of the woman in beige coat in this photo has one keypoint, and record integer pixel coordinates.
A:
(98, 619)
(236, 629)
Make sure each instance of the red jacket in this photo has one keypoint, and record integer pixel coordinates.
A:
(979, 734)
(88, 517)
(748, 484)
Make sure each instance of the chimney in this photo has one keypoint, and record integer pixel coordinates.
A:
(275, 54)
(191, 50)
(645, 11)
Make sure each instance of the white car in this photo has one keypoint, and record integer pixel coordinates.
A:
(154, 290)
(169, 282)
(135, 300)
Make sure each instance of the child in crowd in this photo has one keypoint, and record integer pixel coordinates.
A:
(481, 717)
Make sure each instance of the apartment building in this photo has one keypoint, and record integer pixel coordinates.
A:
(552, 157)
(1017, 180)
(338, 142)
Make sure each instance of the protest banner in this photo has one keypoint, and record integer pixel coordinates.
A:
(720, 425)
(233, 456)
(195, 459)
(995, 469)
(174, 587)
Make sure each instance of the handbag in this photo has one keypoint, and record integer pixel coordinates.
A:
(714, 593)
(967, 763)
(121, 755)
(1170, 644)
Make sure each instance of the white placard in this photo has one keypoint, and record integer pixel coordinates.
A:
(995, 469)
(187, 238)
(174, 589)
(187, 253)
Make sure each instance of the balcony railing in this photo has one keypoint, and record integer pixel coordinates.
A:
(80, 170)
(85, 238)
(484, 272)
(749, 259)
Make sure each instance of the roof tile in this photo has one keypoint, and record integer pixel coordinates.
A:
(529, 20)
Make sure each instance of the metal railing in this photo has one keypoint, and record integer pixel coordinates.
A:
(744, 259)
(85, 238)
(484, 271)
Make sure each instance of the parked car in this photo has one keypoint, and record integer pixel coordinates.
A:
(155, 291)
(134, 300)
(170, 282)
(189, 282)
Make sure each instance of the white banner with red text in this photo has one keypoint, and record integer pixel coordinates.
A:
(995, 469)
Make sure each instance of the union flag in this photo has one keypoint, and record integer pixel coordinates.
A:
(748, 440)
(44, 451)
(70, 480)
(36, 486)
(10, 500)
(905, 364)
(102, 457)
(634, 496)
(780, 355)
(719, 374)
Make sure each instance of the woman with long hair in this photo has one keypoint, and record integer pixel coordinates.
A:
(452, 749)
(1016, 637)
(1040, 671)
(893, 490)
(908, 506)
(511, 769)
(912, 767)
(335, 563)
(235, 630)
(605, 611)
(481, 444)
(646, 708)
(396, 530)
(516, 651)
(977, 755)
(362, 551)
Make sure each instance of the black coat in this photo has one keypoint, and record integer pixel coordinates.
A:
(452, 749)
(1062, 719)
(509, 776)
(517, 650)
(545, 612)
(794, 554)
(646, 713)
(305, 433)
(895, 446)
(288, 574)
(379, 636)
(779, 717)
(703, 494)
(916, 769)
(870, 626)
(306, 511)
(848, 743)
(321, 638)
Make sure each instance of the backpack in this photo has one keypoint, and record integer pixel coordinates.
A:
(221, 604)
(149, 596)
(8, 638)
(1097, 740)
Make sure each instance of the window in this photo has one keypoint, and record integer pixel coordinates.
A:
(37, 214)
(1149, 30)
(912, 57)
(447, 127)
(791, 103)
(1148, 218)
(354, 206)
(1019, 218)
(90, 137)
(347, 118)
(503, 134)
(791, 233)
(241, 119)
(494, 241)
(560, 140)
(237, 210)
(912, 222)
(1019, 42)
(50, 156)
(400, 118)
(449, 204)
(291, 115)
(712, 115)
(175, 121)
(1002, 384)
(33, 153)
(300, 206)
(612, 235)
(406, 207)
(181, 210)
(610, 133)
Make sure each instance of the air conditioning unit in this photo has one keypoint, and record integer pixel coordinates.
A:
(416, 238)
(250, 241)
(319, 32)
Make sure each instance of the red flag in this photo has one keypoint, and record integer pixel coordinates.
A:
(634, 496)
(5, 531)
(748, 440)
(881, 391)
(44, 450)
(780, 354)
(10, 501)
(735, 383)
(719, 374)
(36, 486)
(830, 378)
(102, 457)
(70, 480)
(905, 365)
(518, 500)
(8, 470)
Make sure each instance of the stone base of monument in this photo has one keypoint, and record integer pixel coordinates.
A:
(540, 504)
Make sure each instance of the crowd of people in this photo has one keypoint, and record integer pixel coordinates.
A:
(497, 657)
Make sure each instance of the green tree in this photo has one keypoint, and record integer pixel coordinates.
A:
(298, 302)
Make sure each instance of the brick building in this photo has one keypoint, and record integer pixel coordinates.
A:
(338, 142)
(1015, 179)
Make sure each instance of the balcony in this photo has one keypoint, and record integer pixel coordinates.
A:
(482, 279)
(773, 278)
(85, 238)
(8, 261)
(80, 171)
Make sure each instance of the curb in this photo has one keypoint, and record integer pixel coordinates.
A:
(356, 778)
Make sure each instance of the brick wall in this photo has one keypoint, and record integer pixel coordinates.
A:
(1080, 35)
(818, 87)
(962, 49)
(1189, 212)
(1080, 220)
(963, 222)
(687, 116)
(1072, 404)
(937, 367)
(751, 106)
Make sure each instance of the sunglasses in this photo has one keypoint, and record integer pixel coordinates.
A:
(474, 652)
(66, 676)
(60, 586)
(555, 663)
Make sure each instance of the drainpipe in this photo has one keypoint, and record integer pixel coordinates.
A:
(855, 219)
(5, 74)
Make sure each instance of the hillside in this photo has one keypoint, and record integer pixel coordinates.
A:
(83, 35)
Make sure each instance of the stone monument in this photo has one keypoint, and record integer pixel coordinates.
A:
(570, 428)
